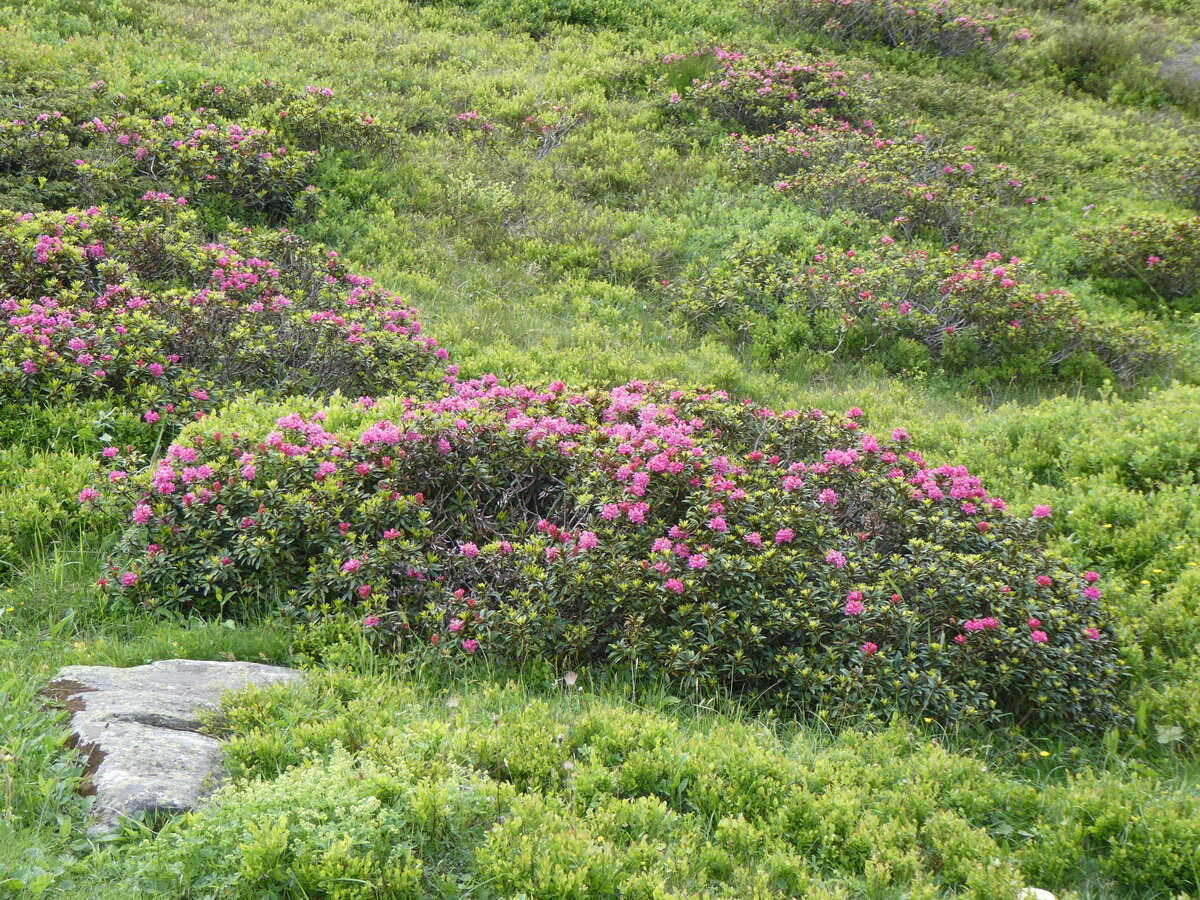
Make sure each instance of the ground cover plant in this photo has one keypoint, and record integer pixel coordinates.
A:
(584, 609)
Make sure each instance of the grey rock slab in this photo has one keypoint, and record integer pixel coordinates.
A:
(139, 728)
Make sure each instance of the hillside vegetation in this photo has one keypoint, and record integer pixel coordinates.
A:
(695, 449)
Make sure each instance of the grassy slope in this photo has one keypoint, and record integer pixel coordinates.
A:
(549, 269)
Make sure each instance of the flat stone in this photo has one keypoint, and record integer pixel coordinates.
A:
(139, 728)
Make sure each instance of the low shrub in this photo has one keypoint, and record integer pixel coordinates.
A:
(1160, 252)
(765, 93)
(119, 158)
(791, 556)
(248, 152)
(38, 506)
(943, 27)
(989, 316)
(909, 183)
(502, 792)
(1177, 175)
(147, 314)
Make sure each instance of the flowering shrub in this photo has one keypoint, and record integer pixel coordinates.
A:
(310, 119)
(148, 314)
(766, 93)
(1162, 252)
(935, 26)
(910, 183)
(794, 556)
(989, 315)
(121, 157)
(1177, 175)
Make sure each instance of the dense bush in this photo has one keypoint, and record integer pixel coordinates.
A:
(148, 314)
(1177, 174)
(913, 310)
(910, 183)
(1160, 252)
(937, 26)
(765, 93)
(119, 158)
(793, 556)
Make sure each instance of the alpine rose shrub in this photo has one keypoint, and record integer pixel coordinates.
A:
(1177, 175)
(944, 27)
(990, 315)
(149, 314)
(907, 182)
(118, 158)
(760, 93)
(1162, 252)
(794, 556)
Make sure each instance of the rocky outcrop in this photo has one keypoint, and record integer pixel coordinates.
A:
(140, 731)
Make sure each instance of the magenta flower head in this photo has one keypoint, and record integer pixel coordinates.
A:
(836, 558)
(784, 536)
(371, 621)
(470, 645)
(588, 540)
(469, 550)
(1039, 637)
(674, 585)
(697, 561)
(869, 648)
(1041, 511)
(89, 495)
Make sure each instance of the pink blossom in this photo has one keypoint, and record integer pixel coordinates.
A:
(588, 540)
(129, 579)
(754, 539)
(468, 550)
(470, 645)
(142, 514)
(88, 495)
(1093, 634)
(869, 648)
(1039, 637)
(829, 496)
(352, 565)
(697, 561)
(674, 585)
(1041, 512)
(371, 621)
(836, 558)
(456, 626)
(784, 536)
